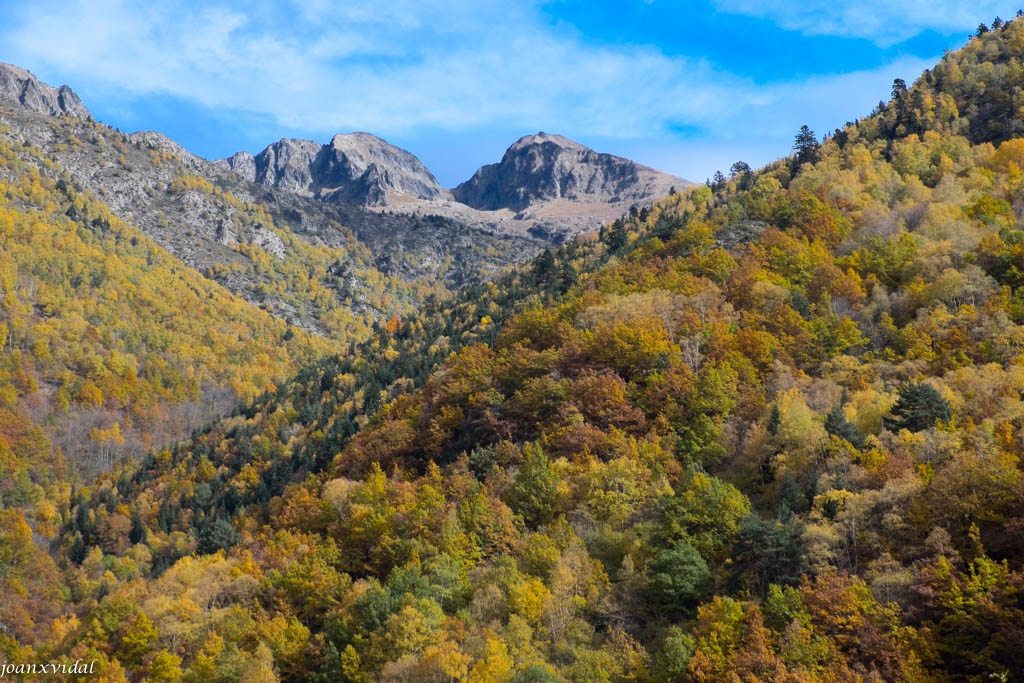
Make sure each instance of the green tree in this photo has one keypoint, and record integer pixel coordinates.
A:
(615, 236)
(218, 535)
(806, 146)
(679, 578)
(742, 174)
(837, 425)
(533, 492)
(767, 552)
(919, 407)
(544, 269)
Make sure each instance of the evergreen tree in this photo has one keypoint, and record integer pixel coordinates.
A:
(679, 577)
(219, 535)
(666, 226)
(837, 424)
(774, 420)
(567, 276)
(740, 168)
(807, 147)
(767, 552)
(616, 236)
(544, 270)
(534, 491)
(919, 407)
(899, 89)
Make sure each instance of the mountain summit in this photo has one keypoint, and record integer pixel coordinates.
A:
(546, 185)
(20, 87)
(356, 168)
(545, 168)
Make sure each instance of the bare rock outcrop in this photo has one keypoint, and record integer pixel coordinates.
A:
(357, 168)
(241, 163)
(20, 87)
(361, 168)
(545, 168)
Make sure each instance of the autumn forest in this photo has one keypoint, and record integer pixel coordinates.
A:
(767, 429)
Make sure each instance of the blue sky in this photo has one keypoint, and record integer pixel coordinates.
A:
(688, 87)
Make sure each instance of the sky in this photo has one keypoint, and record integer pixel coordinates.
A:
(686, 87)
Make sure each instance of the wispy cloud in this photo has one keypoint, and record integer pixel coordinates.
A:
(408, 67)
(391, 66)
(885, 23)
(760, 123)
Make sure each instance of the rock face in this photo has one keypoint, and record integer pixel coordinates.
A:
(361, 168)
(288, 164)
(544, 168)
(546, 186)
(20, 87)
(357, 168)
(242, 163)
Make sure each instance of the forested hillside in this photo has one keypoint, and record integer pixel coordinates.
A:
(94, 347)
(332, 269)
(766, 430)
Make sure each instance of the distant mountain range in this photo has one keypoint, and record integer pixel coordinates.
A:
(547, 184)
(767, 430)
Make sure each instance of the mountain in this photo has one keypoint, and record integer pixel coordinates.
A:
(543, 168)
(174, 290)
(357, 168)
(111, 344)
(18, 86)
(357, 265)
(360, 168)
(766, 430)
(546, 186)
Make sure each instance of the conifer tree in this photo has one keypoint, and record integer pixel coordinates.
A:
(807, 147)
(919, 407)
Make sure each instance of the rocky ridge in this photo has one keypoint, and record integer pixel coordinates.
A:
(213, 220)
(355, 168)
(373, 204)
(18, 86)
(544, 168)
(546, 185)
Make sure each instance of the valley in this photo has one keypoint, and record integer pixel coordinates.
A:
(308, 415)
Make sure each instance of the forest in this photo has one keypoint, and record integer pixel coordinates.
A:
(768, 429)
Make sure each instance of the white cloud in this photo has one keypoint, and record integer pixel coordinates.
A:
(407, 67)
(383, 66)
(885, 23)
(760, 123)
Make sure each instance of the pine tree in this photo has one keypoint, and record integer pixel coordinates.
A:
(919, 407)
(774, 420)
(544, 270)
(616, 236)
(807, 147)
(837, 425)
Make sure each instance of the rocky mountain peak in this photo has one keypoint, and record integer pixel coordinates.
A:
(357, 168)
(543, 138)
(288, 164)
(20, 87)
(242, 163)
(363, 168)
(545, 168)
